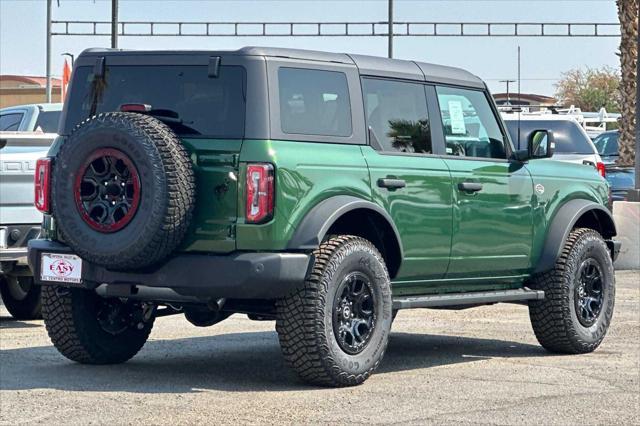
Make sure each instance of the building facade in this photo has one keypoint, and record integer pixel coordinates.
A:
(20, 90)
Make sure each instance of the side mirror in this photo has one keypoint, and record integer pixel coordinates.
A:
(541, 144)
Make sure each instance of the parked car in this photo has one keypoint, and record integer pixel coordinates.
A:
(42, 118)
(324, 191)
(572, 144)
(620, 178)
(19, 220)
(607, 145)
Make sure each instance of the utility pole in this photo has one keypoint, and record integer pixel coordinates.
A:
(114, 24)
(390, 51)
(48, 72)
(508, 81)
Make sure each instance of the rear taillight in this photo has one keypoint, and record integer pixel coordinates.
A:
(601, 169)
(42, 183)
(259, 190)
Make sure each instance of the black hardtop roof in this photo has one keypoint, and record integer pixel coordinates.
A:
(367, 65)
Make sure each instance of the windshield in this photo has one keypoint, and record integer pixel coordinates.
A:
(607, 144)
(568, 136)
(187, 100)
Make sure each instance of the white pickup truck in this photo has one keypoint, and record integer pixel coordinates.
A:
(19, 220)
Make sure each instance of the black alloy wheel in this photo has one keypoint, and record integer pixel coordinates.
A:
(588, 292)
(354, 313)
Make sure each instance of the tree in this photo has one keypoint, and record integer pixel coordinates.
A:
(590, 89)
(628, 15)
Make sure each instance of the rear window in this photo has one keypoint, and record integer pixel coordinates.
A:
(607, 144)
(569, 137)
(314, 102)
(48, 121)
(183, 97)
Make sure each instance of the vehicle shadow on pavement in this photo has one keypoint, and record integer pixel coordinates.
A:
(236, 362)
(10, 322)
(409, 351)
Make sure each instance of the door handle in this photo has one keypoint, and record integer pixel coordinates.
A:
(391, 183)
(470, 186)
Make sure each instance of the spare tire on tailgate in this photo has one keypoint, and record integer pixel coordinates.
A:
(123, 190)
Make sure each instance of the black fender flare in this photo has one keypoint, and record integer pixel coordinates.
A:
(562, 224)
(316, 223)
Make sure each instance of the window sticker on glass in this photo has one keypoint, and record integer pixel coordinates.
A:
(457, 118)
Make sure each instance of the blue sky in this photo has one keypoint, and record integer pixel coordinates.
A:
(22, 32)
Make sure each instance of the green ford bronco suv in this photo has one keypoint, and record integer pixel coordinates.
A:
(323, 191)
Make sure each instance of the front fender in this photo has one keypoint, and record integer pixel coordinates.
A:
(564, 221)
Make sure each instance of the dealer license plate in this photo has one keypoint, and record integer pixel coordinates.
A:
(66, 268)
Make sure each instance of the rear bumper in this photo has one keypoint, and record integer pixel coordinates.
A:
(18, 255)
(13, 242)
(202, 277)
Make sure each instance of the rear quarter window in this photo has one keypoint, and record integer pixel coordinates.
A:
(202, 106)
(314, 102)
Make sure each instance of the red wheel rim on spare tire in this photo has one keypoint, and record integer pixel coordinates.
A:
(107, 190)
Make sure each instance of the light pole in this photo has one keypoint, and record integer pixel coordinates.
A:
(114, 24)
(390, 21)
(508, 82)
(48, 71)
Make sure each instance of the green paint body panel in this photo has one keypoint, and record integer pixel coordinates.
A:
(562, 183)
(492, 228)
(421, 211)
(215, 163)
(306, 174)
(452, 241)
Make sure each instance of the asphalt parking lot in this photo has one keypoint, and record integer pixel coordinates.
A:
(481, 365)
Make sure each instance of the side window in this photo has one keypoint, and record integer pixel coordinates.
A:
(470, 126)
(397, 115)
(10, 122)
(314, 102)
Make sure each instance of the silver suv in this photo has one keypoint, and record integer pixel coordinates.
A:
(572, 144)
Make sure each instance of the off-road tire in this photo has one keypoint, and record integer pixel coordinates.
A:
(27, 307)
(73, 327)
(305, 318)
(555, 318)
(167, 190)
